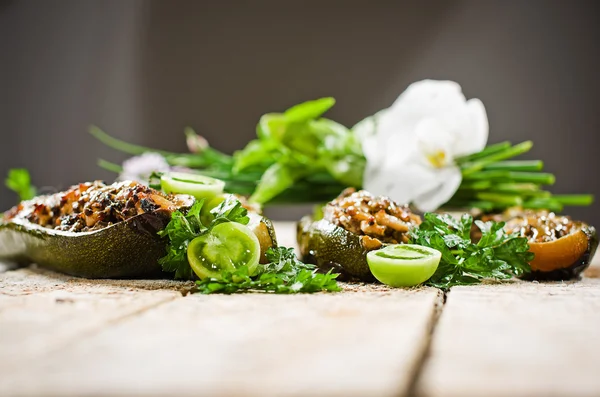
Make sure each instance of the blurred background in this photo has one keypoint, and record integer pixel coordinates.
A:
(143, 70)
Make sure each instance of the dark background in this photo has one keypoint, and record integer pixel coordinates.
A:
(142, 70)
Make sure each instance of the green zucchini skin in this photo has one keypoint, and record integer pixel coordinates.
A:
(128, 249)
(331, 247)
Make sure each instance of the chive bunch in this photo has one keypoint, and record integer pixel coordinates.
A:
(492, 181)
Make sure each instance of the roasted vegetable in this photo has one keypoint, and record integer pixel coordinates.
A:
(563, 248)
(332, 247)
(128, 249)
(95, 230)
(263, 229)
(566, 257)
(92, 230)
(353, 224)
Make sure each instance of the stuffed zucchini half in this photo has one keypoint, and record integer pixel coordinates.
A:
(95, 230)
(353, 224)
(563, 247)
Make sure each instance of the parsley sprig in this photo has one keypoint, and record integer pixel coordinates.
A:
(497, 255)
(284, 274)
(19, 181)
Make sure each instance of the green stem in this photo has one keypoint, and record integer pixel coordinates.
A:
(520, 165)
(107, 165)
(485, 175)
(540, 178)
(475, 185)
(208, 157)
(521, 189)
(504, 154)
(574, 199)
(123, 146)
(544, 203)
(498, 198)
(488, 150)
(462, 204)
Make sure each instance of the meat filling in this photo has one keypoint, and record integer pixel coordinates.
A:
(540, 226)
(94, 205)
(378, 219)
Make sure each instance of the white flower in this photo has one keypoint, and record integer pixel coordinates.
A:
(139, 168)
(410, 147)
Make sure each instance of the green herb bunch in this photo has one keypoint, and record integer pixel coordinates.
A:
(300, 156)
(497, 255)
(284, 274)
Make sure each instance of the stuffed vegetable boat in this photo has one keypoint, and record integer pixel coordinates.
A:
(95, 230)
(563, 247)
(357, 222)
(353, 224)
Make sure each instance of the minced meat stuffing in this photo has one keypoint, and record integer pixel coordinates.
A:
(378, 218)
(95, 205)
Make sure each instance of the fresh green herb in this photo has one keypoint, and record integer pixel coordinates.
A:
(299, 156)
(493, 181)
(284, 274)
(184, 227)
(19, 181)
(298, 143)
(181, 230)
(497, 255)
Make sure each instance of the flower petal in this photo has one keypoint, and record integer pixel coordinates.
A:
(447, 180)
(401, 181)
(434, 142)
(430, 96)
(367, 132)
(480, 125)
(410, 147)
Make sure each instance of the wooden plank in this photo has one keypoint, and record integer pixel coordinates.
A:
(346, 344)
(518, 339)
(41, 312)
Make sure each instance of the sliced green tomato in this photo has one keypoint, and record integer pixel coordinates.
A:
(403, 265)
(199, 186)
(226, 247)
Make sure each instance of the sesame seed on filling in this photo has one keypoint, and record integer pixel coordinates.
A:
(378, 219)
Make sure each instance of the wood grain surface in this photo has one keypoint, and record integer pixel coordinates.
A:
(516, 339)
(65, 336)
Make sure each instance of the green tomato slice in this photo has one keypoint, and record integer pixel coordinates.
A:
(199, 186)
(403, 265)
(226, 247)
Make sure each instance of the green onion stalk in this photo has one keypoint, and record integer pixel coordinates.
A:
(299, 157)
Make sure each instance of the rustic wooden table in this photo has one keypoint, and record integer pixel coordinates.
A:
(63, 336)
